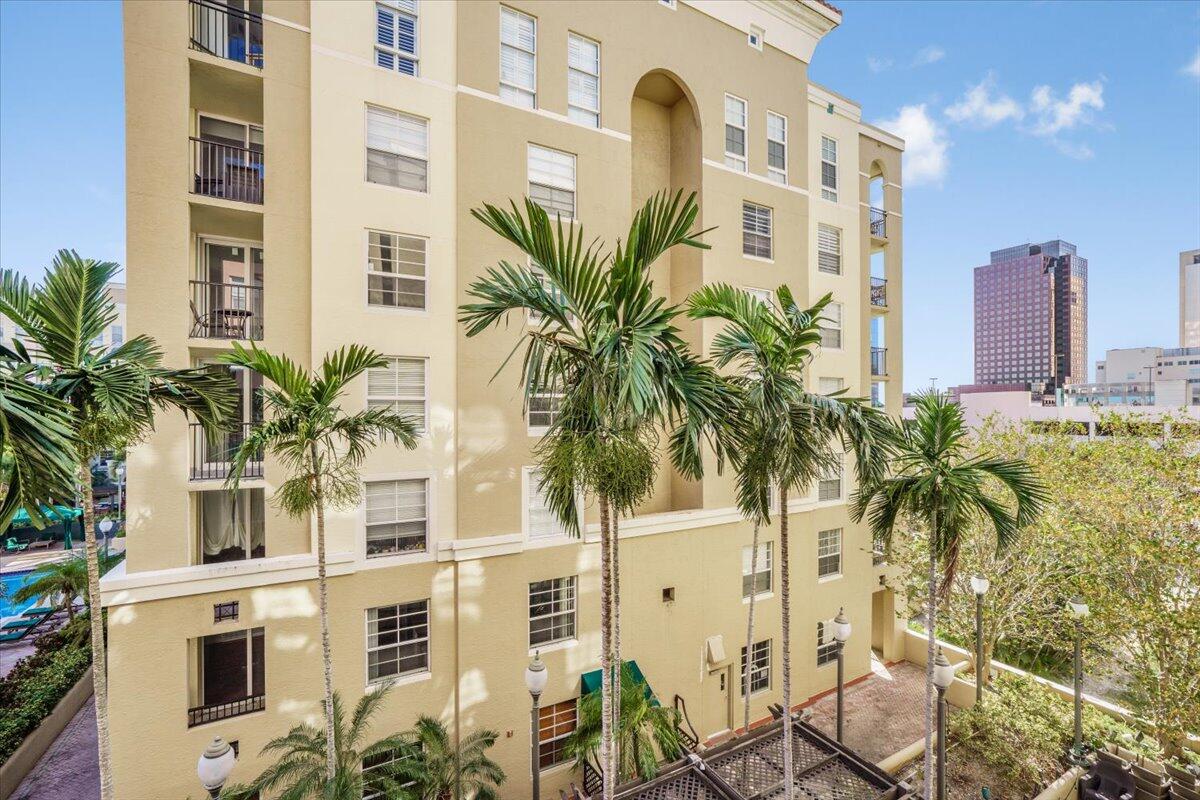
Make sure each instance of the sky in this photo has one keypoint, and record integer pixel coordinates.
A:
(1025, 121)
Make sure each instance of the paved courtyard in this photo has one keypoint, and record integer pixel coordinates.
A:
(69, 770)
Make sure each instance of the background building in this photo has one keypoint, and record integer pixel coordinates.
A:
(113, 335)
(1189, 298)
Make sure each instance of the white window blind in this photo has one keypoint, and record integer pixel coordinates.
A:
(397, 149)
(543, 410)
(829, 553)
(756, 230)
(760, 580)
(397, 640)
(397, 517)
(395, 270)
(735, 133)
(552, 180)
(396, 35)
(583, 80)
(551, 611)
(830, 385)
(543, 523)
(829, 487)
(518, 58)
(829, 181)
(829, 249)
(776, 147)
(831, 326)
(759, 666)
(399, 386)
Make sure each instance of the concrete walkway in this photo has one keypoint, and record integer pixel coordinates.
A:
(70, 769)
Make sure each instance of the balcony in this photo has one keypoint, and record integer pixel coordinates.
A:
(227, 171)
(202, 715)
(226, 32)
(878, 223)
(879, 361)
(878, 292)
(212, 454)
(227, 677)
(226, 311)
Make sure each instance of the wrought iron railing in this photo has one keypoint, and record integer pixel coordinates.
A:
(201, 715)
(879, 292)
(879, 361)
(878, 223)
(212, 453)
(226, 311)
(226, 32)
(227, 171)
(593, 781)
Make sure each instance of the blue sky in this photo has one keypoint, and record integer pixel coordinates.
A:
(1026, 121)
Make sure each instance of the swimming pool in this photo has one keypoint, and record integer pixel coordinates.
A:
(13, 581)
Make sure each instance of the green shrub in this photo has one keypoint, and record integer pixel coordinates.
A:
(37, 683)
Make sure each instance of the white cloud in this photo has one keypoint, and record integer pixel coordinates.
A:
(928, 55)
(1078, 151)
(1053, 115)
(925, 144)
(878, 64)
(1193, 68)
(985, 107)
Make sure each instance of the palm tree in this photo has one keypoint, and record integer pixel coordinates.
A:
(438, 770)
(321, 447)
(112, 396)
(64, 580)
(609, 345)
(789, 436)
(299, 771)
(645, 732)
(939, 482)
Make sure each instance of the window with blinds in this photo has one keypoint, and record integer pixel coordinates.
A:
(829, 487)
(397, 517)
(735, 133)
(552, 181)
(829, 179)
(555, 724)
(518, 58)
(551, 611)
(830, 385)
(756, 230)
(583, 80)
(397, 149)
(829, 553)
(760, 580)
(540, 521)
(776, 147)
(543, 411)
(396, 35)
(831, 326)
(763, 296)
(397, 640)
(759, 664)
(829, 249)
(396, 270)
(399, 386)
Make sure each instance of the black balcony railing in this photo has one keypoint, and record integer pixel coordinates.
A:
(878, 223)
(201, 715)
(226, 32)
(228, 171)
(212, 453)
(879, 361)
(879, 292)
(226, 311)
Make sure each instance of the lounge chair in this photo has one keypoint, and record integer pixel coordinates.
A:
(19, 624)
(38, 544)
(39, 611)
(13, 636)
(11, 545)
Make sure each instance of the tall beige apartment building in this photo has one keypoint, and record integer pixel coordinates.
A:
(301, 175)
(1189, 298)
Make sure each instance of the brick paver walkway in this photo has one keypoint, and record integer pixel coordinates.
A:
(70, 769)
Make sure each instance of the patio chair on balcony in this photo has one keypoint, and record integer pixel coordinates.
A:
(1110, 778)
(204, 326)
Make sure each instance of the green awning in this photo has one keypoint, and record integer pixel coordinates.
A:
(21, 519)
(590, 681)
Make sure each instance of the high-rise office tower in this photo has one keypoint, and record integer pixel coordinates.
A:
(1189, 298)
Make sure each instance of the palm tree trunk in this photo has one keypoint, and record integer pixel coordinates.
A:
(616, 619)
(930, 621)
(607, 749)
(323, 597)
(786, 604)
(750, 631)
(96, 616)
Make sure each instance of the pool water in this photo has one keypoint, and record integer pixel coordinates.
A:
(12, 581)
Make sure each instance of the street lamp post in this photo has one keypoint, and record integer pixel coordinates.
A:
(215, 766)
(979, 585)
(535, 680)
(106, 526)
(841, 633)
(1078, 610)
(943, 676)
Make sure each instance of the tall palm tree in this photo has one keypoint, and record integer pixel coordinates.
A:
(938, 481)
(321, 448)
(609, 345)
(439, 770)
(112, 396)
(789, 436)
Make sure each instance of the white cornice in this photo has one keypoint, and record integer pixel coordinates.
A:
(792, 27)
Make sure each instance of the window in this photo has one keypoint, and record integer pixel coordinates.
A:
(118, 335)
(829, 487)
(396, 35)
(397, 149)
(756, 230)
(776, 147)
(229, 525)
(761, 295)
(541, 522)
(399, 386)
(759, 666)
(518, 58)
(397, 640)
(829, 169)
(735, 133)
(379, 761)
(829, 249)
(826, 644)
(552, 181)
(543, 411)
(761, 579)
(555, 724)
(829, 553)
(755, 37)
(397, 517)
(551, 611)
(668, 3)
(535, 317)
(583, 80)
(830, 385)
(395, 270)
(878, 395)
(831, 326)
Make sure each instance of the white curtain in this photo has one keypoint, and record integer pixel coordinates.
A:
(223, 523)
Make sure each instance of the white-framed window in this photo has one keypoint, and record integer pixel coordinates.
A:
(756, 230)
(552, 180)
(380, 761)
(118, 336)
(396, 35)
(829, 486)
(735, 133)
(518, 58)
(396, 270)
(759, 666)
(826, 644)
(551, 611)
(400, 386)
(397, 149)
(829, 176)
(540, 521)
(829, 249)
(777, 147)
(764, 296)
(831, 326)
(668, 3)
(829, 553)
(755, 37)
(544, 407)
(397, 640)
(535, 317)
(556, 723)
(397, 517)
(830, 385)
(760, 581)
(583, 80)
